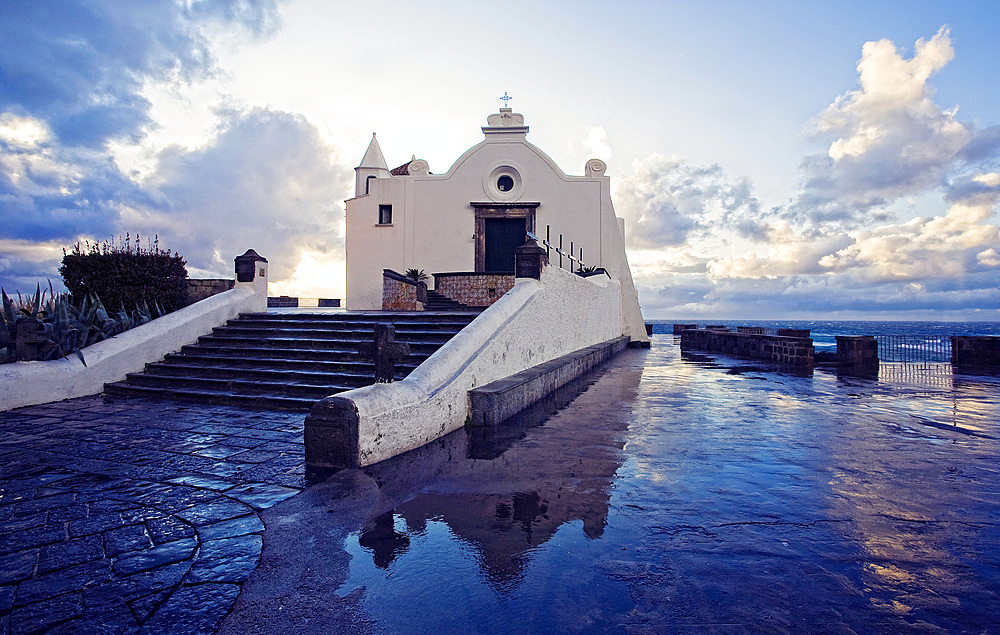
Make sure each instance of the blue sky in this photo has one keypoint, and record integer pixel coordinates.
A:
(771, 159)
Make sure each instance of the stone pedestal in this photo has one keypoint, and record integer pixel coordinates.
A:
(529, 259)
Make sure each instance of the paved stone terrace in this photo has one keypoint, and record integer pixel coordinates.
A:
(136, 514)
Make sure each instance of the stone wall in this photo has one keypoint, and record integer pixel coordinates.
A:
(282, 302)
(473, 289)
(400, 293)
(975, 350)
(791, 351)
(199, 289)
(857, 351)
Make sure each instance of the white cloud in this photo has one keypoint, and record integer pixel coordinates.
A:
(666, 199)
(597, 145)
(887, 139)
(954, 246)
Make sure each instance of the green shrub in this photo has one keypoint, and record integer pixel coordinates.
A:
(125, 274)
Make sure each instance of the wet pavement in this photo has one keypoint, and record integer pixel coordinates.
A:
(673, 495)
(670, 495)
(135, 514)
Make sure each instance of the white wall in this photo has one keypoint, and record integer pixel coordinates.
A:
(533, 323)
(29, 383)
(434, 224)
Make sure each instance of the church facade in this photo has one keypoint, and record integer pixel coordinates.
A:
(471, 218)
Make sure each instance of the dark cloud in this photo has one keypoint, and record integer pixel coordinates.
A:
(79, 66)
(55, 193)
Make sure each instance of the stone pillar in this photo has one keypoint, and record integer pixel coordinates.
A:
(251, 269)
(857, 351)
(981, 350)
(29, 339)
(529, 259)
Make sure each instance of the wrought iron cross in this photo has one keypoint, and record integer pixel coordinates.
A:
(505, 98)
(386, 352)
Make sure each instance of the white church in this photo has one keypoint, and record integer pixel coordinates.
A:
(471, 218)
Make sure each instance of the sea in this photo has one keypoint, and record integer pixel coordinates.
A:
(824, 332)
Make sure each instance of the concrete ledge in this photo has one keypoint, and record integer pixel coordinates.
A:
(502, 399)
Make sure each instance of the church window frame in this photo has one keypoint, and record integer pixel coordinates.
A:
(503, 182)
(384, 214)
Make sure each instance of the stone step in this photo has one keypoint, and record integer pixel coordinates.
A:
(358, 335)
(287, 361)
(396, 318)
(406, 327)
(353, 365)
(290, 344)
(344, 354)
(260, 401)
(355, 378)
(239, 386)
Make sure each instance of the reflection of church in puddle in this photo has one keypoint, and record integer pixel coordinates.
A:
(505, 507)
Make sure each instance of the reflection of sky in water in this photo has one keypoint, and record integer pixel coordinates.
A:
(700, 494)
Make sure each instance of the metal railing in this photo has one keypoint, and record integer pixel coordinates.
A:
(910, 349)
(550, 247)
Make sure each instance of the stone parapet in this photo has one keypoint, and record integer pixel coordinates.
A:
(975, 350)
(201, 288)
(790, 351)
(473, 289)
(400, 293)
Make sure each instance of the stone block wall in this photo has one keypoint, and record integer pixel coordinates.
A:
(857, 351)
(975, 350)
(400, 293)
(679, 328)
(282, 302)
(790, 351)
(199, 289)
(793, 332)
(473, 289)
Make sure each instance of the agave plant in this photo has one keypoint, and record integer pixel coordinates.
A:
(67, 328)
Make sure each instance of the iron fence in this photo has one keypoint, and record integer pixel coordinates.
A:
(914, 348)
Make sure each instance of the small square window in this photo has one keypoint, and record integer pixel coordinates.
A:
(385, 214)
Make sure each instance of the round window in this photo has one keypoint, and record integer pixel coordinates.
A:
(505, 183)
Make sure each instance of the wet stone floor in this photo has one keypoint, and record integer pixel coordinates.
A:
(135, 514)
(661, 493)
(673, 494)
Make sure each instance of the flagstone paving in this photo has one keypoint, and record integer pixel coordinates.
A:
(136, 514)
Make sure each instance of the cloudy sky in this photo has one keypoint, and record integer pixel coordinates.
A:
(771, 159)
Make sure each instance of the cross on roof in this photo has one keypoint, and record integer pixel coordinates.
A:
(386, 352)
(505, 98)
